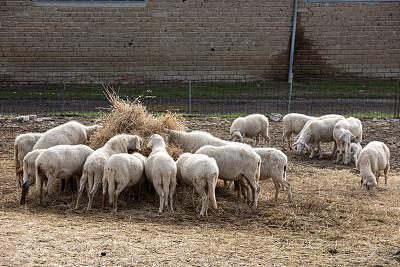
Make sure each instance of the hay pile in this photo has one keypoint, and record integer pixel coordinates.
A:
(127, 117)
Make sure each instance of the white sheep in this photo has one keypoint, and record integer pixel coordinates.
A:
(314, 132)
(293, 123)
(161, 171)
(23, 144)
(344, 132)
(201, 172)
(29, 172)
(236, 162)
(93, 169)
(353, 152)
(121, 171)
(273, 165)
(373, 159)
(250, 126)
(62, 161)
(192, 141)
(70, 133)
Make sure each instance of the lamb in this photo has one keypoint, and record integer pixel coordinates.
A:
(344, 132)
(193, 141)
(353, 152)
(93, 169)
(23, 144)
(373, 159)
(236, 163)
(161, 171)
(70, 133)
(29, 176)
(293, 123)
(62, 161)
(201, 172)
(273, 165)
(316, 131)
(121, 171)
(250, 126)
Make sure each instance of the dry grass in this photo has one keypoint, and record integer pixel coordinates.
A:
(331, 222)
(131, 117)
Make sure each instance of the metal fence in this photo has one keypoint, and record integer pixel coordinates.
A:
(218, 96)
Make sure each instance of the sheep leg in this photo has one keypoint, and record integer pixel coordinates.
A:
(172, 188)
(160, 193)
(256, 143)
(83, 183)
(25, 190)
(103, 200)
(50, 182)
(115, 202)
(385, 173)
(335, 147)
(204, 198)
(255, 189)
(118, 190)
(183, 194)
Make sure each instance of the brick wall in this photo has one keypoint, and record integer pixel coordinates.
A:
(205, 39)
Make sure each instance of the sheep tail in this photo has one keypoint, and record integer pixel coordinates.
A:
(39, 178)
(111, 184)
(211, 183)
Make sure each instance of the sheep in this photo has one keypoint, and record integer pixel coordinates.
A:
(373, 159)
(353, 152)
(201, 172)
(236, 163)
(161, 171)
(273, 165)
(250, 126)
(62, 161)
(293, 123)
(23, 144)
(29, 176)
(93, 169)
(193, 141)
(70, 133)
(316, 131)
(121, 171)
(344, 132)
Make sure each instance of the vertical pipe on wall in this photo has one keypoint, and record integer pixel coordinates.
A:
(190, 96)
(290, 78)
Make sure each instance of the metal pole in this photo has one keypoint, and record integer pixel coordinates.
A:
(65, 81)
(290, 78)
(190, 96)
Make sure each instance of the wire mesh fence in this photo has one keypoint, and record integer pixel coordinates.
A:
(190, 95)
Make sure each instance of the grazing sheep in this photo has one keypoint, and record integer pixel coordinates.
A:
(236, 163)
(93, 169)
(293, 123)
(273, 165)
(250, 126)
(121, 171)
(161, 171)
(201, 172)
(344, 132)
(314, 132)
(70, 133)
(29, 172)
(373, 159)
(193, 141)
(353, 152)
(62, 161)
(23, 144)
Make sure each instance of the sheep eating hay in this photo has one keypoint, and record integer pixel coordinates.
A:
(62, 161)
(373, 159)
(23, 144)
(293, 123)
(236, 162)
(201, 172)
(121, 171)
(344, 132)
(70, 133)
(161, 171)
(93, 169)
(250, 126)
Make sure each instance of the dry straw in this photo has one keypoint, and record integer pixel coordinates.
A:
(132, 117)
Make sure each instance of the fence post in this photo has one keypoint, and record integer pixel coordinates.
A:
(190, 96)
(65, 78)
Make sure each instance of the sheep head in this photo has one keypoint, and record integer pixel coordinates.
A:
(300, 145)
(237, 135)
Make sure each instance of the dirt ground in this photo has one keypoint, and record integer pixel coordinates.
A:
(331, 221)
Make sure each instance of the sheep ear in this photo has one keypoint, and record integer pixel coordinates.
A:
(295, 144)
